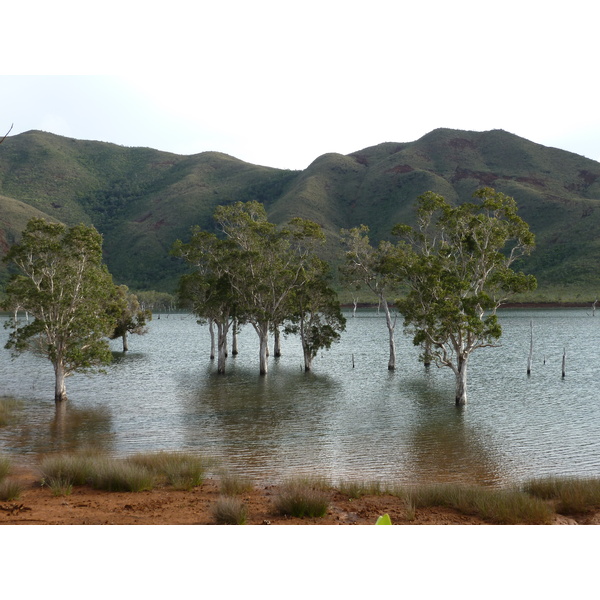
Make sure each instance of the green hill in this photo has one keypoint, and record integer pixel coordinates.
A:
(143, 199)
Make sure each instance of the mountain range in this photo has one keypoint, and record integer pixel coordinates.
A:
(142, 200)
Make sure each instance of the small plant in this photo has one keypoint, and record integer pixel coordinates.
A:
(5, 467)
(230, 511)
(60, 486)
(299, 499)
(62, 470)
(234, 485)
(10, 490)
(384, 520)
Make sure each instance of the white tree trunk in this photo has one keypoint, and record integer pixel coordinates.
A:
(211, 328)
(125, 341)
(530, 359)
(263, 335)
(391, 325)
(60, 388)
(461, 381)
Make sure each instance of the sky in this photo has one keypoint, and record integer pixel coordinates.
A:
(279, 83)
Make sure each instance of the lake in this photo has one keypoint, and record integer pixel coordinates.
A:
(341, 421)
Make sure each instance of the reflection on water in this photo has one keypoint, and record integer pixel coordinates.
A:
(349, 419)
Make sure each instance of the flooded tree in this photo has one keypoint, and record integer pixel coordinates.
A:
(130, 317)
(457, 265)
(368, 266)
(63, 284)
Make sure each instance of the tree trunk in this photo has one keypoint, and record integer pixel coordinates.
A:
(60, 388)
(263, 335)
(307, 358)
(211, 328)
(125, 341)
(234, 340)
(391, 325)
(277, 343)
(461, 381)
(222, 348)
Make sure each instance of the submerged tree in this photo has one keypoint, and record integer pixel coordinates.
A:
(66, 288)
(316, 315)
(129, 316)
(270, 266)
(208, 290)
(368, 266)
(457, 265)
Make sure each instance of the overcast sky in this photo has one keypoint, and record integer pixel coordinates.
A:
(279, 83)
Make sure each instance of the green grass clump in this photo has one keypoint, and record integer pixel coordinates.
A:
(10, 490)
(500, 506)
(182, 471)
(231, 484)
(64, 470)
(571, 495)
(122, 476)
(301, 499)
(230, 511)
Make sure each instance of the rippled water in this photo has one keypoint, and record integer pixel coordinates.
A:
(340, 421)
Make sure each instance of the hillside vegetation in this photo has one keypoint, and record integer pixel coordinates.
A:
(142, 200)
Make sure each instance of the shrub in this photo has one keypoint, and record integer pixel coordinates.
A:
(10, 490)
(229, 511)
(182, 471)
(233, 485)
(299, 499)
(571, 495)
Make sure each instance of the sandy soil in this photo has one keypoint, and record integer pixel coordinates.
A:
(86, 506)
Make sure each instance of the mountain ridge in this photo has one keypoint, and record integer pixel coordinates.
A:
(142, 199)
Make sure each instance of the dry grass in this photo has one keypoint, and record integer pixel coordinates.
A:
(570, 495)
(231, 484)
(302, 498)
(10, 490)
(229, 510)
(180, 470)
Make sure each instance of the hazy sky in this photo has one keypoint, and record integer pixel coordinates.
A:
(279, 83)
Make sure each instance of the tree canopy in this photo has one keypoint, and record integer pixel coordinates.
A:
(456, 264)
(63, 284)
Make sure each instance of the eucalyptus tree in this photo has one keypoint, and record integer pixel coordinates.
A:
(457, 265)
(63, 284)
(129, 316)
(316, 315)
(367, 266)
(271, 264)
(208, 290)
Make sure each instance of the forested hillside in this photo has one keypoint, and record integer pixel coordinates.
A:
(142, 200)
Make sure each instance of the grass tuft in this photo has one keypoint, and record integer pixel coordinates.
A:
(230, 511)
(10, 490)
(5, 467)
(231, 484)
(300, 498)
(571, 495)
(182, 471)
(358, 489)
(122, 476)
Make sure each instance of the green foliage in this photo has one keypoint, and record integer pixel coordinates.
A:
(456, 264)
(384, 520)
